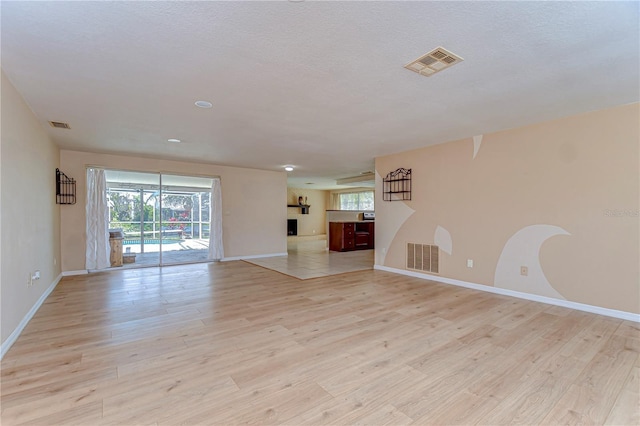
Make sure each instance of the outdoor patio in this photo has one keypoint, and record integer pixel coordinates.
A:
(173, 251)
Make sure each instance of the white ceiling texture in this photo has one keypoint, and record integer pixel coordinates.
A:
(317, 85)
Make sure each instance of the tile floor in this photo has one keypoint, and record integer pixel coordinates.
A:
(311, 259)
(308, 258)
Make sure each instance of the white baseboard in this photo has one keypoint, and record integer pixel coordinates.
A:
(255, 256)
(6, 345)
(543, 299)
(71, 273)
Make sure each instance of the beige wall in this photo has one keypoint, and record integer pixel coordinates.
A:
(312, 223)
(560, 197)
(30, 225)
(253, 202)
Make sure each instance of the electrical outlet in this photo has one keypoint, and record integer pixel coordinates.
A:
(469, 263)
(524, 270)
(36, 275)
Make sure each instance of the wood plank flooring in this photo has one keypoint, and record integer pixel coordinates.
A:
(234, 343)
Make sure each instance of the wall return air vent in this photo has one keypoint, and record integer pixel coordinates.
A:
(435, 61)
(423, 257)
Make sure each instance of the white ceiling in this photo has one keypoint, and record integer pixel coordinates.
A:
(319, 85)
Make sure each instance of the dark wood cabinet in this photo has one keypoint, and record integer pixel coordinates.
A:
(346, 236)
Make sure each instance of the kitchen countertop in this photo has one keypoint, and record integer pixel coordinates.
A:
(352, 221)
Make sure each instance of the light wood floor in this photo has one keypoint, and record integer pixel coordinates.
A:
(232, 343)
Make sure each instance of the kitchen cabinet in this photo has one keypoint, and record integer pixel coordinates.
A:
(347, 236)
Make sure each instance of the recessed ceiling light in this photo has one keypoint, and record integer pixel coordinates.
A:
(174, 140)
(204, 104)
(288, 168)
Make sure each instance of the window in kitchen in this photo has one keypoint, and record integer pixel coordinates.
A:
(356, 200)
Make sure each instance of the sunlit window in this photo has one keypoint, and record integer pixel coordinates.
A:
(356, 201)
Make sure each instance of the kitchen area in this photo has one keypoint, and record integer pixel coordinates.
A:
(343, 221)
(313, 249)
(350, 230)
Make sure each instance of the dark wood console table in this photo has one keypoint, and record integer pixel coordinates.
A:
(347, 236)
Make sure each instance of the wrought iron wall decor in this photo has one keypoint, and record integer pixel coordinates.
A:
(396, 186)
(65, 189)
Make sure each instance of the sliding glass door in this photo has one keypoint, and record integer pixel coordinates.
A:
(165, 218)
(134, 202)
(186, 216)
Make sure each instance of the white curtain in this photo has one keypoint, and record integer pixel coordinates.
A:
(97, 251)
(216, 251)
(335, 201)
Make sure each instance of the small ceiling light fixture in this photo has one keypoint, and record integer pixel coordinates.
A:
(204, 104)
(174, 140)
(433, 62)
(288, 168)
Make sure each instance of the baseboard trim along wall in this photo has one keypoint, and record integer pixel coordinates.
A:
(255, 256)
(548, 300)
(72, 273)
(6, 345)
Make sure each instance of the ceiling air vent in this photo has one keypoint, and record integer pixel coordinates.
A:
(433, 62)
(59, 125)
